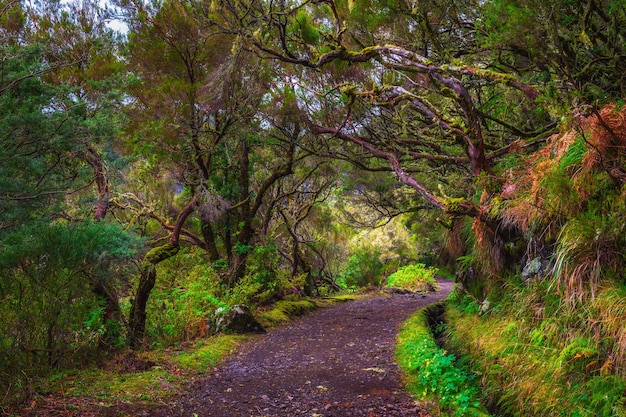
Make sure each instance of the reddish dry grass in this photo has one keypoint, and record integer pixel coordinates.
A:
(455, 246)
(605, 134)
(580, 262)
(489, 247)
(605, 137)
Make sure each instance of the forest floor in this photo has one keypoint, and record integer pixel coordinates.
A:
(337, 361)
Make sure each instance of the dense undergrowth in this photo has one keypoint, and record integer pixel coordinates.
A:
(542, 309)
(541, 366)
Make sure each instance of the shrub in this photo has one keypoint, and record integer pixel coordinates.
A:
(362, 269)
(186, 296)
(50, 315)
(264, 281)
(416, 277)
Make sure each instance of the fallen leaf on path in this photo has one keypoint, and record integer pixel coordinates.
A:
(379, 370)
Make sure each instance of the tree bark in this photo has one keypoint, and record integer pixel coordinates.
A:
(147, 280)
(209, 239)
(101, 178)
(112, 315)
(148, 276)
(248, 210)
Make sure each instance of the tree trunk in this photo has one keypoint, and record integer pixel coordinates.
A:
(101, 178)
(237, 261)
(147, 280)
(112, 317)
(209, 238)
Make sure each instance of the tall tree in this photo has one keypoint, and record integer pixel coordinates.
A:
(57, 102)
(422, 101)
(199, 111)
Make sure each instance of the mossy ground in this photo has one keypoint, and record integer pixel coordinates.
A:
(163, 373)
(284, 311)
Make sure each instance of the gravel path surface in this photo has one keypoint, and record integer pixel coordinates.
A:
(337, 361)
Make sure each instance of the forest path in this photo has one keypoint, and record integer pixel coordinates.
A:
(337, 361)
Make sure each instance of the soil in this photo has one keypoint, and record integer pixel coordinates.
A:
(334, 362)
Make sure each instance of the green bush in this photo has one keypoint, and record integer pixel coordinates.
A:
(50, 315)
(264, 281)
(416, 277)
(362, 269)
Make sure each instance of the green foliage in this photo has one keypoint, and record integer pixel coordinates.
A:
(49, 309)
(304, 24)
(578, 353)
(433, 373)
(567, 361)
(35, 133)
(574, 154)
(416, 277)
(363, 268)
(547, 30)
(183, 300)
(241, 249)
(265, 280)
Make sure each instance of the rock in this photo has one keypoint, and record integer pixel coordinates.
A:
(237, 319)
(484, 307)
(537, 267)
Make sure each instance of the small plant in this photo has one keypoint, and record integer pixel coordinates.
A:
(432, 372)
(416, 277)
(578, 354)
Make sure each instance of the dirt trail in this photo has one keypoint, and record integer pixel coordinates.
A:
(335, 362)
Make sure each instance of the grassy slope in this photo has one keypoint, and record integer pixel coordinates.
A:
(539, 366)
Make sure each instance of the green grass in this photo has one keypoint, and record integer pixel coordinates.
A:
(541, 366)
(431, 373)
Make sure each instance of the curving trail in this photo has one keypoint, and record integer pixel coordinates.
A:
(335, 362)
